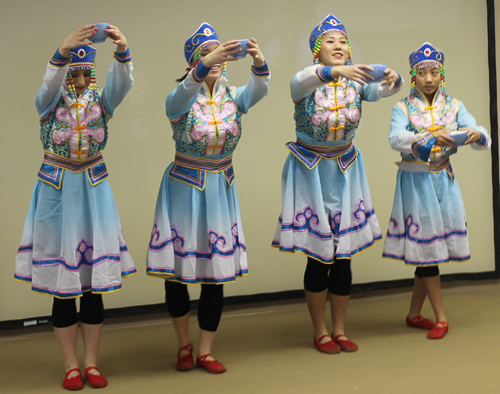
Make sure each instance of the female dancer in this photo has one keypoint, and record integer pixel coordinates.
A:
(197, 235)
(327, 212)
(72, 244)
(428, 225)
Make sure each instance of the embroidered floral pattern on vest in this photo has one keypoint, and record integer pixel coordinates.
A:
(423, 117)
(212, 126)
(76, 130)
(330, 113)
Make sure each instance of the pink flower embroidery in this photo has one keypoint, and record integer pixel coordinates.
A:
(335, 116)
(214, 121)
(68, 116)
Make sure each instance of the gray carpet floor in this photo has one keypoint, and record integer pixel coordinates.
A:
(267, 348)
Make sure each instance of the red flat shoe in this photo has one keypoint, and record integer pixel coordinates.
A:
(328, 347)
(95, 381)
(345, 344)
(420, 322)
(75, 382)
(212, 366)
(186, 362)
(438, 332)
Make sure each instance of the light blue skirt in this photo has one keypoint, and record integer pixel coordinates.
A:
(197, 235)
(427, 225)
(326, 212)
(72, 240)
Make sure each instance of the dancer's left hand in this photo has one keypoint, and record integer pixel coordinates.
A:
(118, 38)
(391, 78)
(256, 53)
(474, 135)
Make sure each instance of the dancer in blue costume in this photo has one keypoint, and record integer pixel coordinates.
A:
(72, 245)
(428, 225)
(197, 235)
(327, 212)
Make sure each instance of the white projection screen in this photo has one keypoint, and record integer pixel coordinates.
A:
(140, 145)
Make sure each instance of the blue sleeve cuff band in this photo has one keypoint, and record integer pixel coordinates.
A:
(324, 73)
(483, 140)
(262, 71)
(123, 57)
(200, 72)
(59, 60)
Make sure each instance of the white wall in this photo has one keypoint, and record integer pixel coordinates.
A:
(140, 145)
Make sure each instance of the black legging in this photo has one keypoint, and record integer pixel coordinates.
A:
(91, 310)
(427, 272)
(209, 307)
(336, 277)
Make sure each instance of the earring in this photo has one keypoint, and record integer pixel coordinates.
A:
(223, 77)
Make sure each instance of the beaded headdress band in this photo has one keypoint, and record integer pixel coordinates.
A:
(82, 58)
(426, 56)
(328, 25)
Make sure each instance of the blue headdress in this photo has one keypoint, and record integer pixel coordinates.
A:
(328, 25)
(82, 58)
(204, 36)
(425, 56)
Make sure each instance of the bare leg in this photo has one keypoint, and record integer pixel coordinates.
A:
(67, 341)
(206, 339)
(91, 338)
(316, 303)
(181, 325)
(338, 306)
(433, 288)
(417, 298)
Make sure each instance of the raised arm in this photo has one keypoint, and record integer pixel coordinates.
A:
(258, 83)
(180, 100)
(119, 79)
(183, 97)
(50, 92)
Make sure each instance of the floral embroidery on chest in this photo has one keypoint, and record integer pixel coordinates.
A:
(77, 123)
(335, 105)
(215, 118)
(431, 117)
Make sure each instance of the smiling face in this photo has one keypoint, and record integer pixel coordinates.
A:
(216, 70)
(334, 50)
(427, 81)
(81, 79)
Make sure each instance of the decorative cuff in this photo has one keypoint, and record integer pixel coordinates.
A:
(422, 148)
(483, 141)
(399, 81)
(262, 71)
(324, 73)
(59, 60)
(123, 57)
(200, 72)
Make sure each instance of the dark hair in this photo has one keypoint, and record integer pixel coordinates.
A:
(191, 66)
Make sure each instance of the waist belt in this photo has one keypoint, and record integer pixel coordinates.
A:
(432, 166)
(192, 169)
(438, 166)
(203, 163)
(310, 155)
(328, 152)
(70, 164)
(53, 167)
